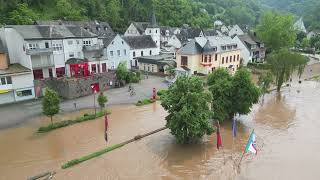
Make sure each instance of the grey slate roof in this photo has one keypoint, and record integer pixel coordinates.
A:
(102, 29)
(158, 60)
(182, 38)
(210, 32)
(247, 39)
(76, 61)
(140, 42)
(13, 69)
(107, 40)
(191, 32)
(191, 48)
(29, 32)
(141, 26)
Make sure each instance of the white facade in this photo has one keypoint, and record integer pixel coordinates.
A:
(174, 42)
(117, 51)
(20, 88)
(135, 53)
(132, 31)
(235, 30)
(245, 53)
(155, 34)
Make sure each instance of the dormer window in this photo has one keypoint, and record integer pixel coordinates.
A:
(150, 31)
(105, 28)
(235, 46)
(98, 28)
(223, 47)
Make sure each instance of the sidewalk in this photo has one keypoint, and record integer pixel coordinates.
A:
(14, 114)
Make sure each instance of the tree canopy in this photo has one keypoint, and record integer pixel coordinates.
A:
(232, 94)
(50, 103)
(187, 103)
(284, 63)
(276, 30)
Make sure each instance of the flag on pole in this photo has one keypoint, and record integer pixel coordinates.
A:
(251, 145)
(106, 127)
(219, 139)
(234, 127)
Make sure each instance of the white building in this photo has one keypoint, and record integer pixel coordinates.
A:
(116, 50)
(141, 46)
(145, 28)
(235, 30)
(45, 48)
(16, 81)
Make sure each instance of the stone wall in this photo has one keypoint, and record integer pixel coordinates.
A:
(71, 88)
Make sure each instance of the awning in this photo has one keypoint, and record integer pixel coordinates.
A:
(4, 91)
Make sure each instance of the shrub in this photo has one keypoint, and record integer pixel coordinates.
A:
(145, 102)
(161, 92)
(85, 117)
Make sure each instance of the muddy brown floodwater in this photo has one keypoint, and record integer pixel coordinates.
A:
(288, 140)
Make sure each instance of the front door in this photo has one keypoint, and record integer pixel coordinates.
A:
(50, 73)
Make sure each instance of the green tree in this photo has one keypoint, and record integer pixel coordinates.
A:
(305, 43)
(283, 63)
(315, 42)
(50, 103)
(22, 15)
(67, 11)
(122, 72)
(113, 13)
(102, 99)
(188, 106)
(231, 95)
(265, 81)
(276, 30)
(244, 92)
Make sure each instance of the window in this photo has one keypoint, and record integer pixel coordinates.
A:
(9, 80)
(111, 53)
(184, 60)
(125, 52)
(104, 67)
(122, 42)
(152, 68)
(150, 52)
(150, 31)
(70, 42)
(141, 53)
(234, 58)
(57, 47)
(60, 72)
(33, 46)
(134, 54)
(238, 57)
(46, 44)
(78, 42)
(226, 59)
(205, 59)
(118, 52)
(222, 60)
(71, 54)
(112, 42)
(87, 43)
(156, 31)
(24, 93)
(209, 58)
(93, 68)
(216, 57)
(223, 47)
(230, 58)
(105, 28)
(3, 81)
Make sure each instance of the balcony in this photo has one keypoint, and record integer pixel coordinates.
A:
(42, 63)
(95, 47)
(206, 63)
(40, 51)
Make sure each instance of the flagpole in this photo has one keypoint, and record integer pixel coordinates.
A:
(244, 151)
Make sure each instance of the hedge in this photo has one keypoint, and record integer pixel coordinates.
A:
(144, 102)
(90, 156)
(60, 124)
(258, 65)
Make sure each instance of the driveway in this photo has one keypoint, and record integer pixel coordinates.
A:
(14, 114)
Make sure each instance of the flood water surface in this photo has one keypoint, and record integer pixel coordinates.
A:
(286, 125)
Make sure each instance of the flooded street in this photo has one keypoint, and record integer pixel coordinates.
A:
(288, 143)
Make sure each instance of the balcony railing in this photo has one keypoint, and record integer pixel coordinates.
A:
(43, 63)
(40, 51)
(95, 47)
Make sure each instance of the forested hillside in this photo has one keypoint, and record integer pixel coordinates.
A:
(119, 13)
(308, 9)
